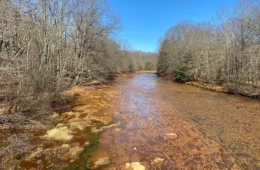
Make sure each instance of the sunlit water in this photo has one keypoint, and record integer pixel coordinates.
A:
(215, 130)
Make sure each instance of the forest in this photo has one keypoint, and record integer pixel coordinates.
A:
(50, 45)
(223, 51)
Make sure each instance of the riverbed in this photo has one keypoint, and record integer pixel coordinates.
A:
(150, 122)
(186, 127)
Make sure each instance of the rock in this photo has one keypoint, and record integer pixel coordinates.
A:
(95, 130)
(135, 148)
(72, 114)
(87, 143)
(60, 125)
(102, 161)
(54, 116)
(75, 151)
(36, 153)
(157, 160)
(134, 166)
(65, 146)
(171, 135)
(117, 130)
(77, 125)
(127, 165)
(18, 156)
(59, 133)
(150, 119)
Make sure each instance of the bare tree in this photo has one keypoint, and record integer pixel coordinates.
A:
(224, 51)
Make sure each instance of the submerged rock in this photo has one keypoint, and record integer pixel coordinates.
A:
(65, 146)
(60, 125)
(77, 125)
(75, 151)
(171, 135)
(134, 166)
(101, 162)
(87, 143)
(71, 114)
(54, 115)
(95, 130)
(36, 153)
(117, 130)
(157, 160)
(59, 133)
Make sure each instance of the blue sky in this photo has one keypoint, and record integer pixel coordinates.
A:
(145, 21)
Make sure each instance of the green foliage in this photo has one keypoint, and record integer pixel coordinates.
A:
(181, 74)
(148, 65)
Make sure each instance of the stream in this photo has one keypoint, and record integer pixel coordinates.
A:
(144, 121)
(213, 130)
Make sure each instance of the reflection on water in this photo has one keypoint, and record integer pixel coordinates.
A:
(215, 130)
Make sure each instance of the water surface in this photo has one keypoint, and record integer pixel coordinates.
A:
(215, 130)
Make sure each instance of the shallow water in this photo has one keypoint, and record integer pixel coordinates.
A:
(214, 130)
(91, 109)
(208, 130)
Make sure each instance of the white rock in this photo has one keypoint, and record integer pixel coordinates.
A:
(76, 150)
(102, 161)
(59, 133)
(134, 166)
(127, 165)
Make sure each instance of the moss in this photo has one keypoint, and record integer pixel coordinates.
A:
(83, 162)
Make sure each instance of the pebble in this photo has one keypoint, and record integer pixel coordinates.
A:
(65, 146)
(157, 160)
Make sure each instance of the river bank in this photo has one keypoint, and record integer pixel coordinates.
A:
(244, 90)
(71, 136)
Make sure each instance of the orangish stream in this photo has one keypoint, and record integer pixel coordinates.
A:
(146, 119)
(213, 130)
